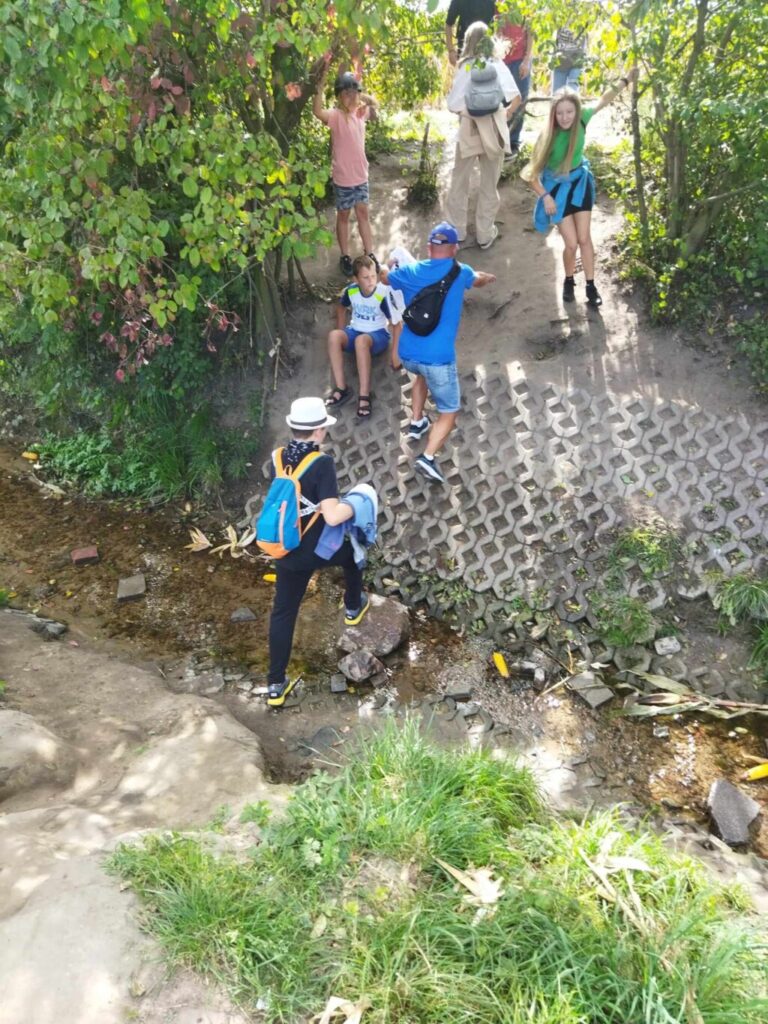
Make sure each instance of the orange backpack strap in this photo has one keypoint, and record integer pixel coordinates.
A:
(277, 462)
(304, 465)
(297, 474)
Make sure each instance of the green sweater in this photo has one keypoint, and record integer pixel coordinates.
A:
(560, 145)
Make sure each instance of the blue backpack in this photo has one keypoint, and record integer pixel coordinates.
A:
(278, 528)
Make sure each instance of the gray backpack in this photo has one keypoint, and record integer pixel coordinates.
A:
(484, 94)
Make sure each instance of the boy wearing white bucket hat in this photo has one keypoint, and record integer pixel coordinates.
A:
(309, 421)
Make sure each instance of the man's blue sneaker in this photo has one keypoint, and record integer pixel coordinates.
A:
(429, 468)
(418, 429)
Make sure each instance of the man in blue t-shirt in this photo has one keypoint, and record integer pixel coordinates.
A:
(433, 358)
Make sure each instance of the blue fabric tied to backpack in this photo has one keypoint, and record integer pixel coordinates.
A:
(360, 529)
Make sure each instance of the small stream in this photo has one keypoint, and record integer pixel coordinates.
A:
(663, 766)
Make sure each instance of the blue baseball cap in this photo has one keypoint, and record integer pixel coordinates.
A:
(443, 234)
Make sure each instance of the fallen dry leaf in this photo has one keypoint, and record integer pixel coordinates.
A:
(626, 864)
(337, 1007)
(235, 545)
(199, 541)
(484, 889)
(319, 927)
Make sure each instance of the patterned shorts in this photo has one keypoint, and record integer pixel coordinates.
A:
(348, 196)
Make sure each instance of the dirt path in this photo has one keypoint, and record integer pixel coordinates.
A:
(615, 351)
(92, 749)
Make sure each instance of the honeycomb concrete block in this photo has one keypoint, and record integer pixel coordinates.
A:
(538, 479)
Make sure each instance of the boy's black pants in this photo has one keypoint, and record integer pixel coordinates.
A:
(290, 589)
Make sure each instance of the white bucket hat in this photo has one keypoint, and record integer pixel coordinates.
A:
(309, 414)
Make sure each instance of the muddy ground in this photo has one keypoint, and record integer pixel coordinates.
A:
(580, 755)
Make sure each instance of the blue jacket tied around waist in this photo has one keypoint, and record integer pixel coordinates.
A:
(581, 177)
(361, 528)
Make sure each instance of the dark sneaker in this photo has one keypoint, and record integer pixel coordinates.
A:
(378, 265)
(593, 295)
(353, 616)
(418, 429)
(345, 265)
(276, 694)
(569, 290)
(429, 468)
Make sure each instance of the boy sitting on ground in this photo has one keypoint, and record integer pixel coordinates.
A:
(366, 335)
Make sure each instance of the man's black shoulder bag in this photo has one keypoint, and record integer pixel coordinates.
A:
(422, 314)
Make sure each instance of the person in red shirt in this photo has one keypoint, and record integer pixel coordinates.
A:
(518, 58)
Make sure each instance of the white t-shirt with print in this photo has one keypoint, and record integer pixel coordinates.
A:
(369, 312)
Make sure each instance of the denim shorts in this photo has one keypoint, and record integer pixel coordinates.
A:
(379, 338)
(442, 381)
(348, 196)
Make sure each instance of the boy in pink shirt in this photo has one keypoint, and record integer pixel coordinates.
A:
(348, 161)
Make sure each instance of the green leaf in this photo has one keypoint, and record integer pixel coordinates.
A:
(12, 48)
(664, 683)
(189, 187)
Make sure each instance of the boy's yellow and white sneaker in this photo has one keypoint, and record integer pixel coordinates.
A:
(353, 617)
(277, 694)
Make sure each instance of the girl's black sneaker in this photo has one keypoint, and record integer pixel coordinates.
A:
(569, 289)
(345, 265)
(593, 295)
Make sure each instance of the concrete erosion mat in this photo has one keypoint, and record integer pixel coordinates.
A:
(538, 480)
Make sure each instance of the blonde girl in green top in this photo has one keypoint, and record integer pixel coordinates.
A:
(563, 181)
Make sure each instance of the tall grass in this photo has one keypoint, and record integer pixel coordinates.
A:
(344, 896)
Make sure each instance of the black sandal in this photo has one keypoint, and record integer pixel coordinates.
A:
(364, 407)
(338, 397)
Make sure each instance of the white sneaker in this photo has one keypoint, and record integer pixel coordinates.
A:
(489, 243)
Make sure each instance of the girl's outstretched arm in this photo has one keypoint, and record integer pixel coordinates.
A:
(317, 100)
(610, 94)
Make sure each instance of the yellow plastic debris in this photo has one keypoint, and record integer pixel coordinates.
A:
(270, 577)
(501, 664)
(758, 772)
(30, 456)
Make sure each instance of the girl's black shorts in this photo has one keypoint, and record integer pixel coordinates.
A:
(570, 206)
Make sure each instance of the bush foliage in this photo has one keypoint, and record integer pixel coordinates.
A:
(160, 168)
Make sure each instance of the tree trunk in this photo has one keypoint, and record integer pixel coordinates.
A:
(637, 158)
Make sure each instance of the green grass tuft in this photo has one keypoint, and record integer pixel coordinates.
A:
(742, 597)
(622, 620)
(652, 548)
(344, 897)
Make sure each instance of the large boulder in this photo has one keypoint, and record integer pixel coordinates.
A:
(30, 754)
(386, 626)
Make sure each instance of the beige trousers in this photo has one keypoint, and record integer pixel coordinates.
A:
(488, 200)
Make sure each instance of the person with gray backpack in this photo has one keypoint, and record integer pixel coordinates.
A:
(485, 97)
